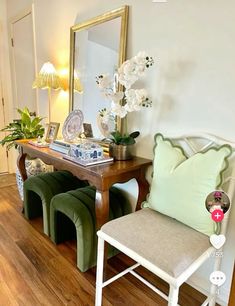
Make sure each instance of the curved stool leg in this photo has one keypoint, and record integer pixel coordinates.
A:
(40, 189)
(77, 208)
(80, 219)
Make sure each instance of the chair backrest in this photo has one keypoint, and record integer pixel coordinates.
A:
(198, 142)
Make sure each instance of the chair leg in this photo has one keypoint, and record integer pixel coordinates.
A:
(99, 272)
(212, 295)
(173, 296)
(214, 288)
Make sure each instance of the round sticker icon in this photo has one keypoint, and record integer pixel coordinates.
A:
(217, 215)
(217, 200)
(217, 278)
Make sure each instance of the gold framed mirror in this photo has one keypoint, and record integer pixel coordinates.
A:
(97, 46)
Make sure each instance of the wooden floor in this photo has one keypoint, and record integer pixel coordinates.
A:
(7, 180)
(33, 271)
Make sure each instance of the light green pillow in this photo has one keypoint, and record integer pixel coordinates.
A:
(180, 185)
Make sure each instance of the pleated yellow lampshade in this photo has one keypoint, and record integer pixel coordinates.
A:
(47, 78)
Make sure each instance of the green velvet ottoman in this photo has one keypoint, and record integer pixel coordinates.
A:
(40, 189)
(72, 215)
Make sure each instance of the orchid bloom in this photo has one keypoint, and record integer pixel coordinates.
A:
(128, 73)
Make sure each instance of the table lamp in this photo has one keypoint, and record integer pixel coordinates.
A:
(47, 79)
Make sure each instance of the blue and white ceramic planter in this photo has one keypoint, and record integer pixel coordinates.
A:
(33, 167)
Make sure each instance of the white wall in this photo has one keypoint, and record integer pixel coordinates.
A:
(5, 74)
(53, 20)
(191, 83)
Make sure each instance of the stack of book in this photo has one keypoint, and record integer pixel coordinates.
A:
(60, 146)
(105, 147)
(64, 147)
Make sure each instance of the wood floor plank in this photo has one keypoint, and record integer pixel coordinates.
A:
(69, 286)
(7, 298)
(57, 283)
(121, 262)
(22, 293)
(28, 273)
(7, 180)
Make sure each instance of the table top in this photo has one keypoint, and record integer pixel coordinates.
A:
(104, 170)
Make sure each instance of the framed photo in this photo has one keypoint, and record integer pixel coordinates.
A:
(52, 131)
(87, 130)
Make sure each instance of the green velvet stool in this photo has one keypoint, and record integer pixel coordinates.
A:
(40, 189)
(72, 216)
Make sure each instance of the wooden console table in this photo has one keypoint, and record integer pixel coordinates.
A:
(102, 176)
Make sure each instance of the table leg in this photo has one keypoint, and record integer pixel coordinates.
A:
(21, 164)
(143, 189)
(101, 207)
(102, 216)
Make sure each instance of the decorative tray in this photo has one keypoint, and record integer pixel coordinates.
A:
(90, 162)
(39, 144)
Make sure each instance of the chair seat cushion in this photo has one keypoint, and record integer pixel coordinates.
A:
(165, 242)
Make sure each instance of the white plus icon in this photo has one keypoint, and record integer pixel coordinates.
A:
(217, 215)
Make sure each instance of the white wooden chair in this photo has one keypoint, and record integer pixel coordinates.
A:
(151, 234)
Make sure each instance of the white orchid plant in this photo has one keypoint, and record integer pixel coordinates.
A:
(128, 73)
(127, 99)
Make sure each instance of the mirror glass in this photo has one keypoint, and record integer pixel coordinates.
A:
(97, 46)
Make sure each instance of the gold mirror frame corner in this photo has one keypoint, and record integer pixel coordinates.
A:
(122, 12)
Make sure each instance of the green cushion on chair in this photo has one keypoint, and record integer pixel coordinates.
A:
(78, 206)
(181, 184)
(40, 189)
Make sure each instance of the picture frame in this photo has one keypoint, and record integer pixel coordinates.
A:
(52, 131)
(87, 127)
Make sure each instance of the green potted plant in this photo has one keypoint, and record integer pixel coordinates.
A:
(27, 127)
(121, 145)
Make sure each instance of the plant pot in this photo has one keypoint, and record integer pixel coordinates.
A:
(121, 152)
(33, 166)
